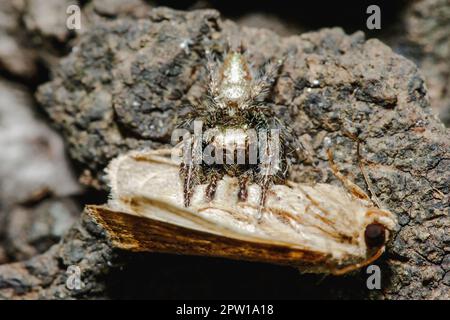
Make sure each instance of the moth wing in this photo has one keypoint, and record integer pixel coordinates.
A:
(143, 234)
(148, 185)
(301, 224)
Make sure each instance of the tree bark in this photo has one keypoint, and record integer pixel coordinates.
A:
(121, 88)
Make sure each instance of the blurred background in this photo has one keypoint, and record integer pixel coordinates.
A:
(40, 192)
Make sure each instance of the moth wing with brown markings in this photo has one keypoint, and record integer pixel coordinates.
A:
(318, 228)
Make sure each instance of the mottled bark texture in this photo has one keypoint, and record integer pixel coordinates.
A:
(45, 275)
(121, 88)
(36, 180)
(423, 35)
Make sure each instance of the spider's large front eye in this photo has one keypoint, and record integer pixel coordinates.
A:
(375, 235)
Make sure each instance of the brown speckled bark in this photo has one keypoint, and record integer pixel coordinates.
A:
(45, 276)
(122, 85)
(425, 38)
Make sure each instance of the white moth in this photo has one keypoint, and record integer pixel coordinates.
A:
(319, 228)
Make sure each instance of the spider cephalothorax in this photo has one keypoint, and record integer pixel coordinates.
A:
(240, 134)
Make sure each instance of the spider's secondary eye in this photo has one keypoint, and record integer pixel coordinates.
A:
(374, 235)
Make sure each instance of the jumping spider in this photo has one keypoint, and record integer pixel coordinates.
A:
(232, 110)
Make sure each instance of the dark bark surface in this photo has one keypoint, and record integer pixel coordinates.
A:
(121, 88)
